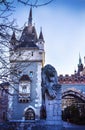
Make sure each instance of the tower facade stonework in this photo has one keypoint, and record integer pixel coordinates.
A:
(26, 61)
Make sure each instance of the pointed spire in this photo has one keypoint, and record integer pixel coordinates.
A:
(30, 17)
(13, 36)
(41, 35)
(80, 61)
(80, 65)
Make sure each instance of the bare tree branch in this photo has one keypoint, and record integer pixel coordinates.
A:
(35, 3)
(6, 29)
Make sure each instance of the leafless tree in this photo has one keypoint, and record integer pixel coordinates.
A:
(6, 29)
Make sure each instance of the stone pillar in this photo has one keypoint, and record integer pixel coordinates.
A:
(53, 109)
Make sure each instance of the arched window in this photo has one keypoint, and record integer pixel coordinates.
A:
(24, 89)
(29, 114)
(24, 84)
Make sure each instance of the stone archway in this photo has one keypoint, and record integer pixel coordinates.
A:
(72, 97)
(75, 94)
(29, 114)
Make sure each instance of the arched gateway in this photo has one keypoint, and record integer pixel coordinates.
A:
(29, 114)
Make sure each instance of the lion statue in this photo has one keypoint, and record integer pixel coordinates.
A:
(49, 84)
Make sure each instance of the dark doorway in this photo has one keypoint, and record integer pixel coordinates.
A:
(4, 116)
(29, 114)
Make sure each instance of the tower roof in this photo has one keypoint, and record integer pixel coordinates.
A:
(13, 36)
(41, 35)
(29, 36)
(80, 61)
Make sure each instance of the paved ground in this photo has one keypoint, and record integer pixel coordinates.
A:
(69, 126)
(80, 128)
(66, 126)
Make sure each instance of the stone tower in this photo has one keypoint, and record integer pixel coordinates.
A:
(80, 66)
(26, 60)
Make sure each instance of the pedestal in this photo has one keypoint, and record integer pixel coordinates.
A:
(53, 109)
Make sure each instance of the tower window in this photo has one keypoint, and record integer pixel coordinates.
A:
(31, 74)
(32, 53)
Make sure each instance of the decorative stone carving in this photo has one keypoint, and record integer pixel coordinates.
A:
(49, 87)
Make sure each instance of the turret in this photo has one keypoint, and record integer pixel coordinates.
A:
(40, 42)
(13, 42)
(13, 38)
(41, 36)
(80, 65)
(41, 46)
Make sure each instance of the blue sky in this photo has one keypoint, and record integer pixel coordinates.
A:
(63, 25)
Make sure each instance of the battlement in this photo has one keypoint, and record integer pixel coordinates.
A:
(71, 79)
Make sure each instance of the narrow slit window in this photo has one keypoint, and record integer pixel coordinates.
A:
(31, 74)
(32, 53)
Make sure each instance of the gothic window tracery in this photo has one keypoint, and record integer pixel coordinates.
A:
(24, 89)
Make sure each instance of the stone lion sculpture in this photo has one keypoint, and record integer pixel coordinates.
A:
(49, 85)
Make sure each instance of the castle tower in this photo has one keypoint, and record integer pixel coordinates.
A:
(80, 65)
(26, 61)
